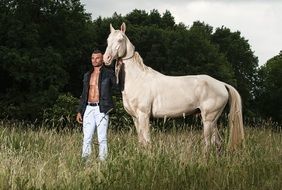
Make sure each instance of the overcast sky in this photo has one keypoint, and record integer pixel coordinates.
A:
(259, 21)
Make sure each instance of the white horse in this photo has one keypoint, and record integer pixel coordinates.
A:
(147, 93)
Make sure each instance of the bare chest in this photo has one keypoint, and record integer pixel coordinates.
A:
(93, 93)
(94, 79)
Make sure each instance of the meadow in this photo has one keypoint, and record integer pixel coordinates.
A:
(42, 158)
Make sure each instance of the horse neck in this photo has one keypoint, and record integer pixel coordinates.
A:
(132, 68)
(130, 49)
(133, 71)
(131, 64)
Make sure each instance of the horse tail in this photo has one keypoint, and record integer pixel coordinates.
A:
(235, 118)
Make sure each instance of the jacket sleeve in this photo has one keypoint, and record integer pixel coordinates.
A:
(81, 98)
(80, 104)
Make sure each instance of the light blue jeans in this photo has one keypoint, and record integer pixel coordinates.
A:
(93, 119)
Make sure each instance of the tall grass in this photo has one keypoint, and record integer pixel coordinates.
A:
(33, 158)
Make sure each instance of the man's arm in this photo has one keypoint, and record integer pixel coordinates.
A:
(79, 110)
(80, 105)
(79, 118)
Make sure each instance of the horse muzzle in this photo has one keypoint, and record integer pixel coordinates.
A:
(107, 59)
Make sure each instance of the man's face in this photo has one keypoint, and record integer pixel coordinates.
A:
(97, 59)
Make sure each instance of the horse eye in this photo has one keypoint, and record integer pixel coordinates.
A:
(117, 47)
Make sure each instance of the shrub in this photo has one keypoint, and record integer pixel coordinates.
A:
(62, 113)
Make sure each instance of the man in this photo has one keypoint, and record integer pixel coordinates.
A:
(95, 104)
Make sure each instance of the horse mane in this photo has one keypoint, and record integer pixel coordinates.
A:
(138, 59)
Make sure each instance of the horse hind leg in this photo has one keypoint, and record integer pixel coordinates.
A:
(211, 134)
(208, 131)
(216, 139)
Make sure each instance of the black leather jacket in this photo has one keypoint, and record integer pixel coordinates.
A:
(107, 81)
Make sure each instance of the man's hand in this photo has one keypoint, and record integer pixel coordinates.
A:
(79, 118)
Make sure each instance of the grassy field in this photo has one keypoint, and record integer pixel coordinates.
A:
(46, 159)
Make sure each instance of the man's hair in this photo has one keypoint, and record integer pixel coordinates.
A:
(96, 51)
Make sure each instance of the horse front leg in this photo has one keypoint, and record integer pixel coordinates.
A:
(143, 129)
(136, 124)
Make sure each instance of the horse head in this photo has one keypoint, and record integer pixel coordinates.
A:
(119, 46)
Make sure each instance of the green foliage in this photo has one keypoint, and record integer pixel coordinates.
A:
(269, 92)
(45, 48)
(42, 47)
(63, 113)
(244, 64)
(154, 18)
(204, 55)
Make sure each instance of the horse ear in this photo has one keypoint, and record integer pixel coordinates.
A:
(111, 28)
(123, 27)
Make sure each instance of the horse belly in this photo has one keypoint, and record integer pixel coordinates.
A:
(172, 109)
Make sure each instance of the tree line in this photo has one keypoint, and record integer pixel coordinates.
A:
(45, 47)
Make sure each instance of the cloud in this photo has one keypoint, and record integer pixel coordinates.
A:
(258, 21)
